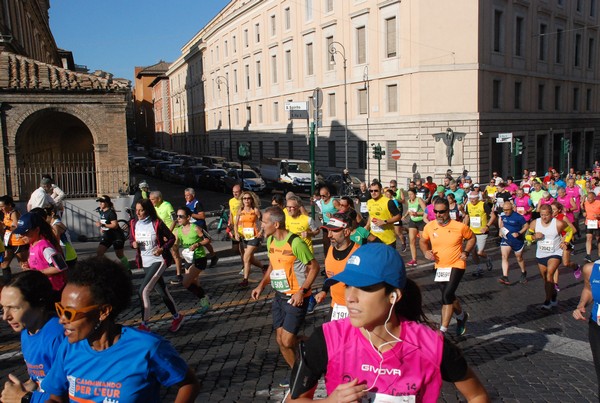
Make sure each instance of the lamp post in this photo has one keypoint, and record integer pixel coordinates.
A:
(366, 87)
(333, 50)
(224, 80)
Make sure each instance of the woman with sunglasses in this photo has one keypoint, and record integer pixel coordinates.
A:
(415, 212)
(15, 245)
(104, 361)
(396, 355)
(246, 230)
(28, 308)
(45, 253)
(153, 241)
(191, 238)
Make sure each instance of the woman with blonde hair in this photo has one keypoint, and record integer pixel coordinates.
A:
(246, 230)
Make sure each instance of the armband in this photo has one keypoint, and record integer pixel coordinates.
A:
(568, 235)
(530, 231)
(303, 379)
(27, 397)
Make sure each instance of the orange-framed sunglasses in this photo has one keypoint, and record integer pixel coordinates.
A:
(71, 314)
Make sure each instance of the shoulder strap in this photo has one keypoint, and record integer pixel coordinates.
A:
(291, 238)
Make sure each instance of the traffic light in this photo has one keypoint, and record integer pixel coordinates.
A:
(518, 146)
(566, 146)
(378, 153)
(244, 152)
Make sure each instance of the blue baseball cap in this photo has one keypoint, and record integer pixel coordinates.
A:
(27, 221)
(372, 264)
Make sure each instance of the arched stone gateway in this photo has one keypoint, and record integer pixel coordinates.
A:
(65, 124)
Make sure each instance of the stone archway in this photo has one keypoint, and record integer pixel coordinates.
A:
(57, 143)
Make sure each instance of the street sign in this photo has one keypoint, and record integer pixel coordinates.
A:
(319, 118)
(317, 98)
(298, 114)
(296, 106)
(396, 155)
(504, 138)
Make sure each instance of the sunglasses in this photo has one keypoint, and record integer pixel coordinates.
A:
(439, 211)
(246, 198)
(393, 187)
(373, 190)
(291, 206)
(181, 216)
(71, 314)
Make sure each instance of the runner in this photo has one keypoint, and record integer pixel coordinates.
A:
(512, 232)
(111, 233)
(591, 212)
(245, 230)
(166, 213)
(476, 217)
(442, 242)
(15, 245)
(199, 218)
(415, 212)
(567, 234)
(382, 215)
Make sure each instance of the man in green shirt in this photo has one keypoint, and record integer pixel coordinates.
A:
(166, 212)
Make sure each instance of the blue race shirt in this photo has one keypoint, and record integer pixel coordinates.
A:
(194, 207)
(39, 351)
(131, 370)
(513, 222)
(595, 285)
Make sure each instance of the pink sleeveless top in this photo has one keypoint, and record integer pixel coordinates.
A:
(575, 193)
(524, 203)
(566, 202)
(38, 262)
(411, 367)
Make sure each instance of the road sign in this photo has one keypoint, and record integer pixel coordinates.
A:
(319, 118)
(317, 98)
(298, 114)
(504, 138)
(396, 155)
(296, 106)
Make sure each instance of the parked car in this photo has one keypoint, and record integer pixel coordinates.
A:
(150, 168)
(160, 167)
(212, 161)
(212, 179)
(335, 184)
(192, 175)
(170, 174)
(251, 180)
(227, 165)
(137, 163)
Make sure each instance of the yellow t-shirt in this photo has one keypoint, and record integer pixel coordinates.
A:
(297, 226)
(234, 206)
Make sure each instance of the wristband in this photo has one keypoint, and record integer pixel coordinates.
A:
(27, 397)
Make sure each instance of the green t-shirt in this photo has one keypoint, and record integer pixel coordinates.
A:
(192, 237)
(165, 213)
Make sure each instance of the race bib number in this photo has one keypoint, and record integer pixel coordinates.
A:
(279, 281)
(442, 274)
(546, 245)
(144, 240)
(526, 190)
(475, 222)
(248, 233)
(499, 201)
(7, 237)
(453, 215)
(592, 224)
(373, 397)
(421, 195)
(102, 225)
(188, 255)
(503, 232)
(363, 207)
(521, 210)
(339, 312)
(375, 228)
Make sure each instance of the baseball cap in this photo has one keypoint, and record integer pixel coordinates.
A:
(476, 185)
(28, 221)
(372, 264)
(144, 184)
(533, 173)
(103, 198)
(440, 188)
(467, 178)
(473, 195)
(337, 222)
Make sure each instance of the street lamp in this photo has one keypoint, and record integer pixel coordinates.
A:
(333, 50)
(224, 80)
(366, 87)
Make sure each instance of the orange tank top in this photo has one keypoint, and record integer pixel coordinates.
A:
(13, 240)
(247, 224)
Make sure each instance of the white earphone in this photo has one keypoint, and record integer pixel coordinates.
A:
(394, 297)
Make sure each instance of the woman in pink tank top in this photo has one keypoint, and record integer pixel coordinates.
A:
(386, 347)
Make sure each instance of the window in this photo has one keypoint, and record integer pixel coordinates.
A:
(309, 59)
(517, 95)
(362, 102)
(559, 45)
(291, 149)
(592, 8)
(247, 75)
(575, 99)
(498, 30)
(261, 150)
(246, 38)
(235, 81)
(288, 64)
(248, 115)
(361, 49)
(260, 113)
(258, 75)
(541, 90)
(557, 98)
(237, 116)
(226, 49)
(308, 10)
(390, 37)
(234, 44)
(328, 42)
(328, 6)
(217, 52)
(519, 36)
(590, 61)
(496, 87)
(273, 25)
(274, 69)
(257, 32)
(275, 111)
(331, 153)
(276, 148)
(542, 42)
(392, 98)
(331, 104)
(362, 154)
(579, 5)
(287, 18)
(588, 99)
(577, 61)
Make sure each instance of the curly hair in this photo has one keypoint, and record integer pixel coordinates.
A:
(35, 288)
(108, 281)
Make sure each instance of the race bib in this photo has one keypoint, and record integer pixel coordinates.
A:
(442, 274)
(453, 215)
(102, 225)
(188, 255)
(499, 201)
(592, 224)
(363, 207)
(339, 312)
(412, 210)
(475, 222)
(375, 228)
(248, 233)
(421, 195)
(521, 210)
(279, 281)
(7, 237)
(598, 313)
(373, 397)
(503, 232)
(546, 245)
(144, 240)
(526, 190)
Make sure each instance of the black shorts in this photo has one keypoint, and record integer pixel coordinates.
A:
(200, 263)
(594, 232)
(14, 249)
(290, 318)
(109, 239)
(544, 260)
(419, 225)
(251, 242)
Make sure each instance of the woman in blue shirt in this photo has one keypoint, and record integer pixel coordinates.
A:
(103, 361)
(28, 303)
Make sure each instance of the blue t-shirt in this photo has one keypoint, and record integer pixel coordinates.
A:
(595, 286)
(513, 223)
(195, 206)
(39, 351)
(131, 370)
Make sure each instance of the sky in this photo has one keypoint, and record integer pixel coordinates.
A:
(117, 35)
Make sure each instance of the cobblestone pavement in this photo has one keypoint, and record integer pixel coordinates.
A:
(521, 353)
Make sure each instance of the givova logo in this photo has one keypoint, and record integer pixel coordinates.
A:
(381, 371)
